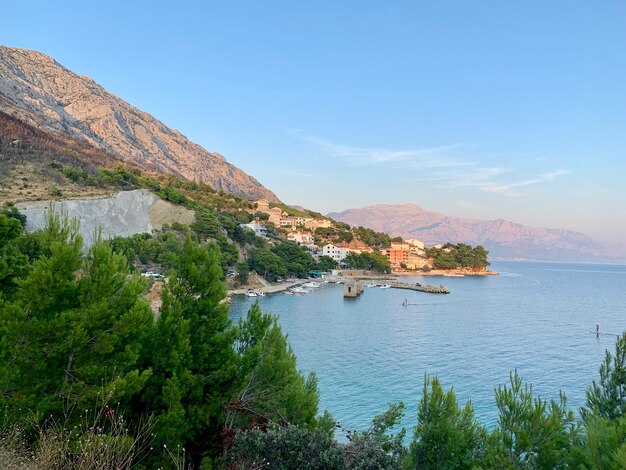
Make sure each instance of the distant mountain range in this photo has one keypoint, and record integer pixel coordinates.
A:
(42, 93)
(503, 239)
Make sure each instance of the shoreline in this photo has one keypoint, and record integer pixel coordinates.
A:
(446, 273)
(277, 288)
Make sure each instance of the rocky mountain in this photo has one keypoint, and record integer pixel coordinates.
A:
(41, 92)
(504, 239)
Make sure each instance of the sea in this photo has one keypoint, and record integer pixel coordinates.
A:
(537, 318)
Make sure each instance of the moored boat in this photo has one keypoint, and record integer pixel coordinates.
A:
(300, 290)
(312, 284)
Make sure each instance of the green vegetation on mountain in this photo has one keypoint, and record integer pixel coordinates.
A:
(332, 235)
(287, 259)
(461, 255)
(374, 261)
(373, 238)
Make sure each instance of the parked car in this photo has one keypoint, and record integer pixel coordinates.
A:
(153, 274)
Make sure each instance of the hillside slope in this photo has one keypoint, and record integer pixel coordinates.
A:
(43, 93)
(122, 214)
(502, 238)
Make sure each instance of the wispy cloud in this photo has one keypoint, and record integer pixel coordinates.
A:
(429, 157)
(491, 180)
(510, 188)
(437, 166)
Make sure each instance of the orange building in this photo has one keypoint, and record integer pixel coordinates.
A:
(397, 255)
(411, 255)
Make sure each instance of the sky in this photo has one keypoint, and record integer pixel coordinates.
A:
(474, 108)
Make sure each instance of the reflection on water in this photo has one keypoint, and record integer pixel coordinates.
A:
(536, 318)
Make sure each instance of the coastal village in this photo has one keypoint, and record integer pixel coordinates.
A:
(402, 255)
(340, 244)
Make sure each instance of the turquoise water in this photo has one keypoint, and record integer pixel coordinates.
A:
(534, 317)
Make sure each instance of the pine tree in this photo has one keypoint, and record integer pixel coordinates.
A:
(192, 353)
(446, 435)
(531, 432)
(272, 389)
(75, 328)
(607, 398)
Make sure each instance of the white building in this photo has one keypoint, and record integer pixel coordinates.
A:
(313, 224)
(336, 252)
(258, 228)
(303, 238)
(292, 222)
(415, 242)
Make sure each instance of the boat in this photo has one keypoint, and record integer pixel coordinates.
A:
(300, 290)
(251, 294)
(384, 286)
(259, 293)
(312, 284)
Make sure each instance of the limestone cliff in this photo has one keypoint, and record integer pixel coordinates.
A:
(123, 214)
(41, 92)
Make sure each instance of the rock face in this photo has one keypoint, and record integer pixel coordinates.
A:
(43, 93)
(125, 214)
(502, 238)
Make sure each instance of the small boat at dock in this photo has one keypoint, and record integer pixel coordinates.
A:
(254, 293)
(300, 290)
(311, 284)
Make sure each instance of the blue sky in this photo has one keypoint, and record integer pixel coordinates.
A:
(483, 109)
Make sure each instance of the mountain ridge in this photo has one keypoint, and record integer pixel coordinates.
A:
(503, 238)
(37, 89)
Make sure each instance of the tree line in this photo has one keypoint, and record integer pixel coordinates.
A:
(460, 255)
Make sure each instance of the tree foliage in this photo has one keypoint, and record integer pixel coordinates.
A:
(273, 389)
(191, 354)
(74, 321)
(607, 398)
(446, 435)
(326, 263)
(295, 258)
(267, 263)
(378, 447)
(451, 256)
(531, 432)
(374, 261)
(373, 238)
(290, 447)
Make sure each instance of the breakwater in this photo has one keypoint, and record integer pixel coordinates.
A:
(419, 287)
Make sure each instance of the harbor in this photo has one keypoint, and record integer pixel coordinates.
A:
(354, 286)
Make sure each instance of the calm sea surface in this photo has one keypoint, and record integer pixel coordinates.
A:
(534, 317)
